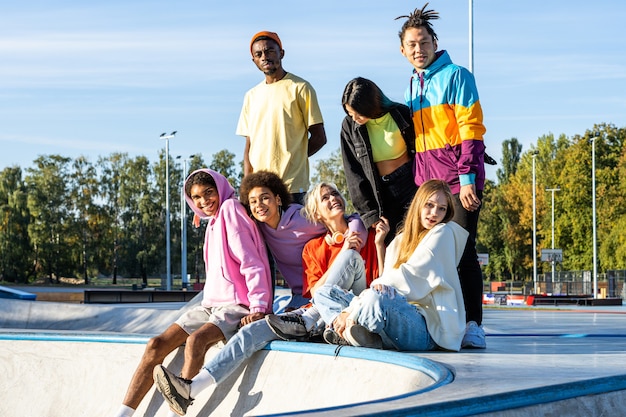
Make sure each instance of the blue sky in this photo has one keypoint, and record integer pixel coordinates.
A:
(93, 78)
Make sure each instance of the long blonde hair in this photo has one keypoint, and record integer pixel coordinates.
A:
(412, 230)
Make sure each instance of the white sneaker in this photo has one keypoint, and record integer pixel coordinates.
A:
(358, 335)
(474, 336)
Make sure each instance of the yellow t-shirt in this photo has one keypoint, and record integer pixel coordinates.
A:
(276, 117)
(385, 138)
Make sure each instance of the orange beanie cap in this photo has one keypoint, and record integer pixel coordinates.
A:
(265, 33)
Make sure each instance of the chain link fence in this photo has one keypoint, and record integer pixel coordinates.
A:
(610, 283)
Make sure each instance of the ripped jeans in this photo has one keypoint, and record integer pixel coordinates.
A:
(346, 272)
(399, 323)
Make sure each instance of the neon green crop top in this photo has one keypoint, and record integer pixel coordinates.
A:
(385, 138)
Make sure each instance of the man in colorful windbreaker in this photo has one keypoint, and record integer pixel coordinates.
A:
(449, 144)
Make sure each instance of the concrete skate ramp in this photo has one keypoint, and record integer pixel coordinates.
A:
(77, 360)
(142, 318)
(85, 374)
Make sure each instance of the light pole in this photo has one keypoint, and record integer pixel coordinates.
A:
(183, 227)
(553, 190)
(167, 208)
(534, 155)
(593, 188)
(471, 36)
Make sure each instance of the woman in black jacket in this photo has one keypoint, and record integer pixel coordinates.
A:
(378, 149)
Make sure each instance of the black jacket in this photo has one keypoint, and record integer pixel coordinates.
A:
(361, 173)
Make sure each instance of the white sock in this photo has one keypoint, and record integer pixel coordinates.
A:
(125, 411)
(311, 316)
(309, 323)
(170, 413)
(200, 382)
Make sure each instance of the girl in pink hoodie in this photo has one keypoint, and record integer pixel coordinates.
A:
(237, 269)
(237, 289)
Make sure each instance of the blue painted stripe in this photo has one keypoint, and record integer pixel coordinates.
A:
(564, 335)
(15, 294)
(74, 337)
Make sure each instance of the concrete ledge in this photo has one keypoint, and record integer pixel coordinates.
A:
(89, 373)
(61, 297)
(139, 296)
(575, 300)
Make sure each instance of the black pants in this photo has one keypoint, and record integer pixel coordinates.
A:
(470, 274)
(397, 192)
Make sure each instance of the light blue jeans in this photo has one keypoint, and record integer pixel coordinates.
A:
(297, 301)
(248, 340)
(400, 324)
(348, 272)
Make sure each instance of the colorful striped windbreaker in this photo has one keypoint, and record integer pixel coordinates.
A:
(448, 125)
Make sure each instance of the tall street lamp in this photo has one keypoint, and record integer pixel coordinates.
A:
(534, 155)
(183, 227)
(553, 190)
(593, 188)
(471, 35)
(167, 208)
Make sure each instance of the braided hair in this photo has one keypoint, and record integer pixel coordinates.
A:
(419, 18)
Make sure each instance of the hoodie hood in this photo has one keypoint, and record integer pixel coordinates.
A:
(225, 191)
(235, 257)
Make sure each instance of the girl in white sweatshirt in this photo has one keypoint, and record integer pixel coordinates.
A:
(417, 302)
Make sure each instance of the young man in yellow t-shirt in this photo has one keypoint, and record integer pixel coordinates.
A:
(280, 119)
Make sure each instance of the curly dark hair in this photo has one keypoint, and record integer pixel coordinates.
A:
(199, 178)
(419, 18)
(266, 179)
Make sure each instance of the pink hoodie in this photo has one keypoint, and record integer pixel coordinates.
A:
(235, 257)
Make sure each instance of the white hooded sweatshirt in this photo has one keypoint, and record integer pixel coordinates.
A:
(430, 280)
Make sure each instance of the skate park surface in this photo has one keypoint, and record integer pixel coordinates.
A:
(60, 359)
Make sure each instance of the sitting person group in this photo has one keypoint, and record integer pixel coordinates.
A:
(413, 303)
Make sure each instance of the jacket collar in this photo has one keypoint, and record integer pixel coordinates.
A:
(442, 59)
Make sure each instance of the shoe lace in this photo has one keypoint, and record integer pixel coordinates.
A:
(292, 319)
(338, 349)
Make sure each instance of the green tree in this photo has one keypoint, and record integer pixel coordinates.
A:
(224, 163)
(48, 204)
(511, 151)
(610, 196)
(111, 169)
(138, 242)
(83, 190)
(15, 250)
(490, 237)
(195, 235)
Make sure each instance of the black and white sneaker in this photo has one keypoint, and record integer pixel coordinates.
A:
(332, 337)
(175, 390)
(289, 327)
